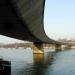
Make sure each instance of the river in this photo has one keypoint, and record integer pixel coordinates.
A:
(24, 62)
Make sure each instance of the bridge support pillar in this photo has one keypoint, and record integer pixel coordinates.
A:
(38, 48)
(57, 47)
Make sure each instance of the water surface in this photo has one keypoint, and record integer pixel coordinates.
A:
(24, 62)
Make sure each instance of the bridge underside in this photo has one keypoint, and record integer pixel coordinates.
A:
(23, 19)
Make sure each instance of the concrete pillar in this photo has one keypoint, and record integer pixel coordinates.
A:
(38, 47)
(57, 47)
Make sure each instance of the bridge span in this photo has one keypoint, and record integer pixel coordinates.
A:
(23, 19)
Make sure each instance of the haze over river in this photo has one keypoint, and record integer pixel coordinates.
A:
(24, 62)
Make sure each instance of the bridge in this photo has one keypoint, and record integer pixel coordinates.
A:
(23, 19)
(69, 44)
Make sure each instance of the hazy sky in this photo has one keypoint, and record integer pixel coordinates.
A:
(59, 18)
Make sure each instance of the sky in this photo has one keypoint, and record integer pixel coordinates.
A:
(59, 19)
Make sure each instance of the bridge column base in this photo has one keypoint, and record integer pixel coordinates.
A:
(38, 48)
(58, 47)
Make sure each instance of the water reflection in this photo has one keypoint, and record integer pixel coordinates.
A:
(38, 64)
(41, 63)
(38, 58)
